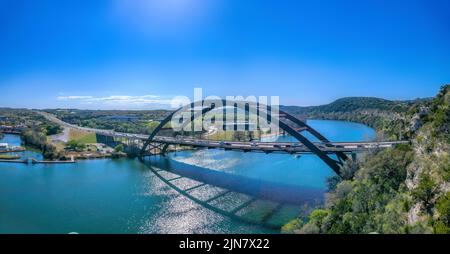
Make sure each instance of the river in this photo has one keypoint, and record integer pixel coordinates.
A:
(125, 196)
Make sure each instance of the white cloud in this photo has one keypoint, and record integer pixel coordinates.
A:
(123, 101)
(73, 97)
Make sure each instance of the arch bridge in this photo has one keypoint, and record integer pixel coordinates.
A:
(334, 154)
(273, 199)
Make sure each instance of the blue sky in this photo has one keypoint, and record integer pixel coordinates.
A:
(139, 54)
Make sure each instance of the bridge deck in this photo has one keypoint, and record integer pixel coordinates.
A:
(286, 147)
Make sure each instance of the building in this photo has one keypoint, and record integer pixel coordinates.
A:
(3, 146)
(12, 129)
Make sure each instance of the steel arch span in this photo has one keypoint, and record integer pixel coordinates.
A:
(251, 107)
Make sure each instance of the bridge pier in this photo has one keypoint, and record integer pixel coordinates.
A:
(107, 140)
(354, 157)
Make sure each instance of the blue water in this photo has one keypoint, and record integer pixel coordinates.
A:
(14, 140)
(305, 171)
(124, 196)
(337, 131)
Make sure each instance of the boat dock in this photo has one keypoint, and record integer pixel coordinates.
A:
(25, 161)
(35, 161)
(15, 150)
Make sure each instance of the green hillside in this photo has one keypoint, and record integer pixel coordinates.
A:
(398, 190)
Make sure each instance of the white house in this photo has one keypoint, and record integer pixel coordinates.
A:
(3, 146)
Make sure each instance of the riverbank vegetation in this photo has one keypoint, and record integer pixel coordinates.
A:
(34, 129)
(38, 139)
(75, 145)
(398, 190)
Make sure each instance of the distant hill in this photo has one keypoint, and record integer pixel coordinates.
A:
(349, 104)
(385, 116)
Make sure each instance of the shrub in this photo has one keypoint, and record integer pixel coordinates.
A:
(442, 224)
(425, 191)
(292, 226)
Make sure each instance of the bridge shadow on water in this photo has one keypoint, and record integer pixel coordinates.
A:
(263, 189)
(251, 200)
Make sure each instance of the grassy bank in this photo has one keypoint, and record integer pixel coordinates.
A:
(82, 137)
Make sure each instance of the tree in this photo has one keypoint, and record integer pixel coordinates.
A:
(75, 145)
(442, 224)
(315, 223)
(292, 226)
(39, 140)
(52, 129)
(119, 148)
(425, 191)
